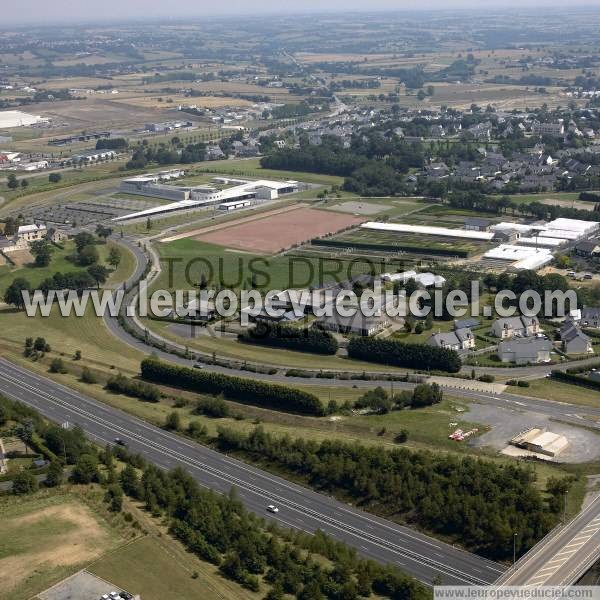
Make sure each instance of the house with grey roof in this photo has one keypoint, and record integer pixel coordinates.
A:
(466, 323)
(459, 339)
(510, 327)
(590, 316)
(357, 324)
(574, 341)
(523, 351)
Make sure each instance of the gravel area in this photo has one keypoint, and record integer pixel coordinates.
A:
(505, 423)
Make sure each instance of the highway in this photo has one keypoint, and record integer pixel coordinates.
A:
(423, 557)
(563, 556)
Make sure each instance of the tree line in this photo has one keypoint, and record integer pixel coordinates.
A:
(400, 354)
(475, 502)
(281, 335)
(238, 389)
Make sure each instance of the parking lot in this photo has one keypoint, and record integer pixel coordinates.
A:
(84, 586)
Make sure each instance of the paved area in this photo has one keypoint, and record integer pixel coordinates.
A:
(563, 556)
(509, 421)
(81, 586)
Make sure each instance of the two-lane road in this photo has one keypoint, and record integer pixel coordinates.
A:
(301, 508)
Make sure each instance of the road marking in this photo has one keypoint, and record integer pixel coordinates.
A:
(199, 465)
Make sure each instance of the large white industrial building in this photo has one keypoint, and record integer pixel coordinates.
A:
(240, 195)
(426, 230)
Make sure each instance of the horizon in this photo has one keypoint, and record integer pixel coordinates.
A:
(63, 13)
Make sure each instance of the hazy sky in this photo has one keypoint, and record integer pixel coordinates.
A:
(87, 10)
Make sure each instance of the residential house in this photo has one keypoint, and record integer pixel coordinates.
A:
(590, 316)
(516, 327)
(574, 341)
(459, 339)
(30, 233)
(525, 351)
(57, 235)
(357, 324)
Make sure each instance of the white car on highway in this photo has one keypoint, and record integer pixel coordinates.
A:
(272, 509)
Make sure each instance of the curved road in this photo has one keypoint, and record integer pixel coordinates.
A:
(565, 412)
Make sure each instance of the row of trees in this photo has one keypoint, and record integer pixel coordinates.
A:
(246, 391)
(219, 530)
(294, 338)
(478, 503)
(399, 354)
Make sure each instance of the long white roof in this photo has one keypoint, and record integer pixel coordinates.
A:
(513, 253)
(425, 230)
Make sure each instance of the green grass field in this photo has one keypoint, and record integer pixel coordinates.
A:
(60, 263)
(154, 569)
(561, 392)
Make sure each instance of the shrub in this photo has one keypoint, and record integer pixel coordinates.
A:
(136, 389)
(87, 376)
(58, 366)
(486, 378)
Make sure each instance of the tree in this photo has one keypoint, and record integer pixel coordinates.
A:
(82, 240)
(86, 470)
(41, 251)
(88, 256)
(14, 292)
(4, 414)
(40, 345)
(99, 273)
(54, 177)
(114, 257)
(55, 474)
(148, 224)
(12, 182)
(114, 497)
(130, 482)
(24, 483)
(24, 431)
(10, 226)
(24, 183)
(103, 232)
(77, 355)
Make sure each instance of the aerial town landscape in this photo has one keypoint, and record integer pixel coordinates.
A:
(299, 304)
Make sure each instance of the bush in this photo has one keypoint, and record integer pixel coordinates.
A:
(247, 391)
(87, 376)
(136, 389)
(173, 421)
(401, 436)
(486, 378)
(523, 384)
(24, 483)
(214, 407)
(58, 366)
(399, 354)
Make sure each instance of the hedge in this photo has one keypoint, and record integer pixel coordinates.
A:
(576, 380)
(399, 354)
(136, 389)
(246, 391)
(293, 338)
